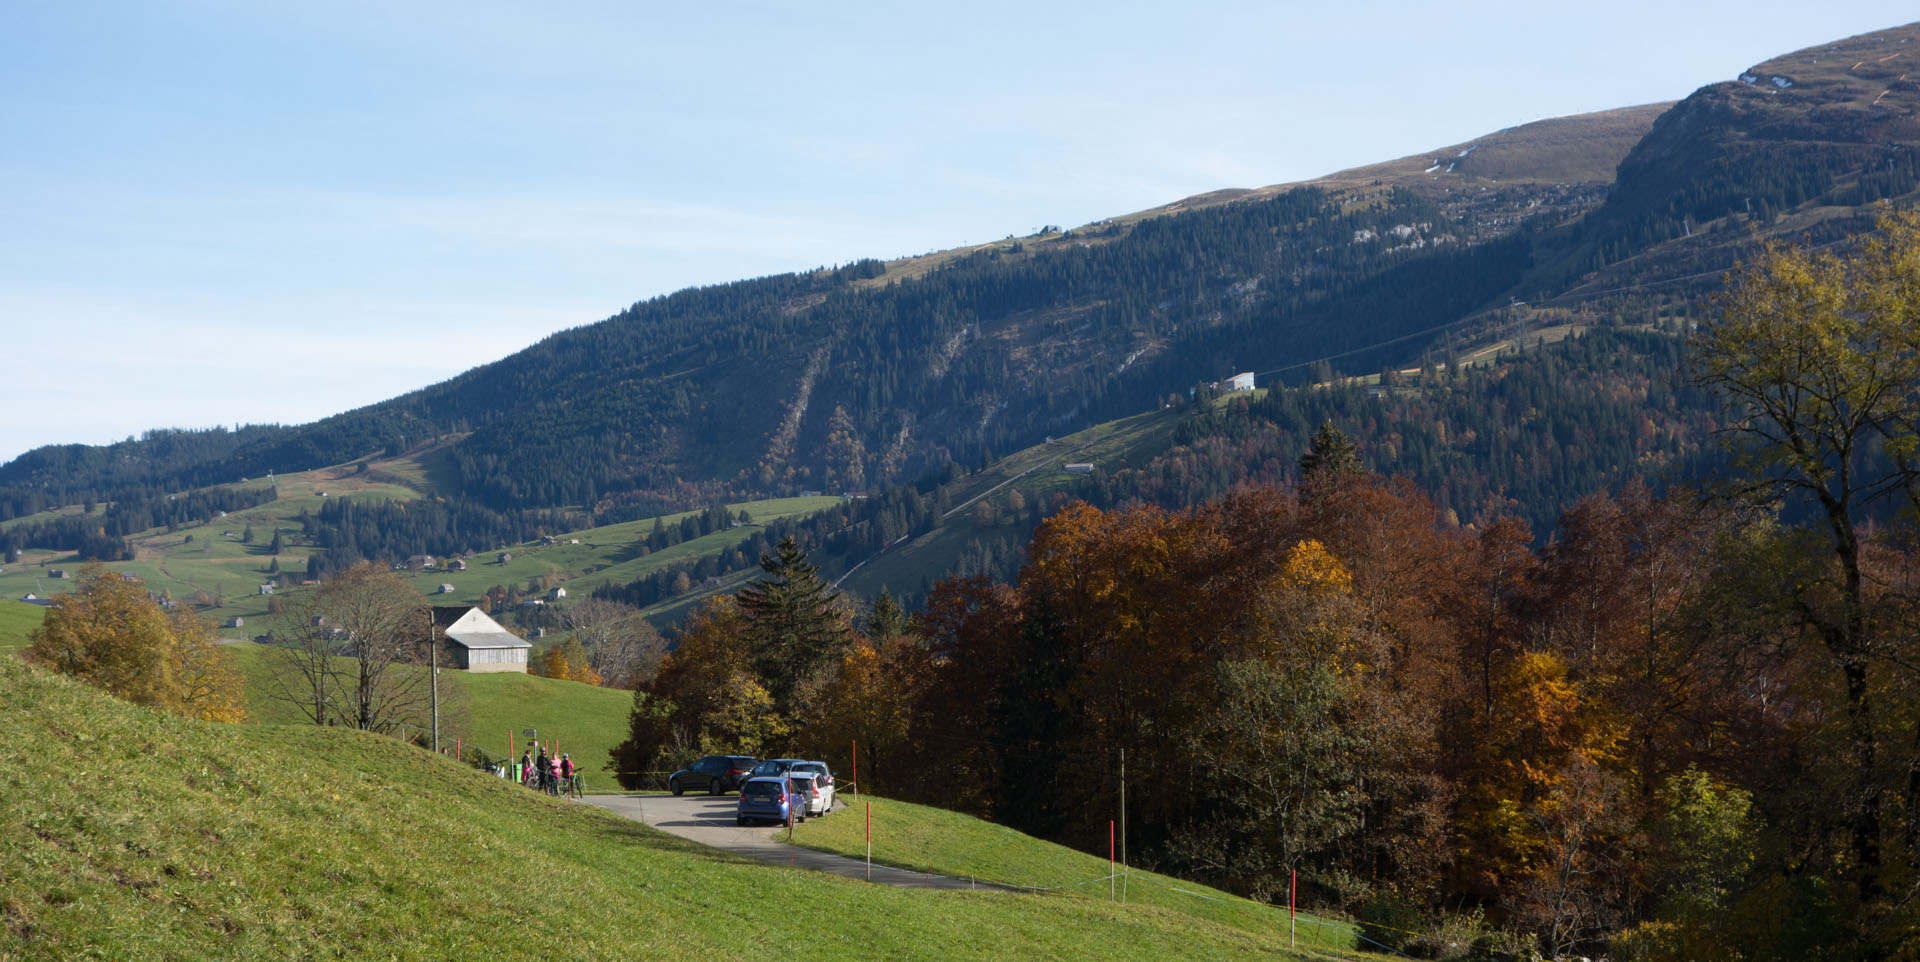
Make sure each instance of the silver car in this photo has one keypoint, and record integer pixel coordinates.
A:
(809, 799)
(823, 778)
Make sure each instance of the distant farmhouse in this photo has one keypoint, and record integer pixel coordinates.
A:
(1083, 467)
(419, 562)
(474, 642)
(1240, 382)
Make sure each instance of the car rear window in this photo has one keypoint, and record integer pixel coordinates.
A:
(762, 788)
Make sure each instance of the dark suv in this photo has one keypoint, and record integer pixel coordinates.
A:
(715, 773)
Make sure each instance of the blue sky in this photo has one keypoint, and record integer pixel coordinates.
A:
(235, 212)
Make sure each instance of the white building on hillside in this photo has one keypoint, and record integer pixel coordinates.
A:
(474, 642)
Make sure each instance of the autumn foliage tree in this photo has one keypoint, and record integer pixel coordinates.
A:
(109, 632)
(568, 661)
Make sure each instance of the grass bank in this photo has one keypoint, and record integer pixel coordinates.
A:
(133, 835)
(949, 843)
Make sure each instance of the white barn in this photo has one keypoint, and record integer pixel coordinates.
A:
(474, 642)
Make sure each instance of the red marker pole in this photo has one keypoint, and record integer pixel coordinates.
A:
(1112, 896)
(1293, 894)
(856, 768)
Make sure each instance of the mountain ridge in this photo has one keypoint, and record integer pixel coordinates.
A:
(878, 373)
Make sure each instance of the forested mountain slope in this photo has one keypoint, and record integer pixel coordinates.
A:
(875, 374)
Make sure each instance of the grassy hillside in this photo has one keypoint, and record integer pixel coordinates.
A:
(961, 846)
(193, 841)
(1035, 472)
(215, 557)
(16, 620)
(586, 722)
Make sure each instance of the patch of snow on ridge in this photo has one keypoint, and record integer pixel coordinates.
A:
(1470, 150)
(1430, 170)
(1747, 78)
(1782, 82)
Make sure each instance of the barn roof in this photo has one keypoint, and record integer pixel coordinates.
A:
(469, 626)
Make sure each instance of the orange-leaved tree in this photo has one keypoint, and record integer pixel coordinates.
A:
(111, 633)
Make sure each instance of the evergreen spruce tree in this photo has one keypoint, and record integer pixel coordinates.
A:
(792, 627)
(1330, 455)
(887, 619)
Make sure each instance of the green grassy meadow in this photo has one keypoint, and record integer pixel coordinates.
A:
(186, 840)
(215, 558)
(961, 846)
(585, 721)
(582, 720)
(17, 619)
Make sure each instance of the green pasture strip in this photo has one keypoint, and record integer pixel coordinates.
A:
(961, 846)
(585, 720)
(17, 620)
(200, 841)
(1036, 472)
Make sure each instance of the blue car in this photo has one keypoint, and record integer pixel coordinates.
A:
(765, 800)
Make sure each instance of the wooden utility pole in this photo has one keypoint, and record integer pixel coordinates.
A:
(1123, 805)
(433, 660)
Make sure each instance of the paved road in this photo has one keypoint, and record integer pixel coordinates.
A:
(709, 820)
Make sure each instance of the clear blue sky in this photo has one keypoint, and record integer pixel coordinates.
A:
(229, 211)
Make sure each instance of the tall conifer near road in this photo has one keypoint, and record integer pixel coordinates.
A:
(793, 626)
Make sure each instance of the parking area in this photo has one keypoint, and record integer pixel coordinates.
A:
(709, 820)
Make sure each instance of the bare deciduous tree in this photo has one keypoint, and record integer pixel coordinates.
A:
(621, 645)
(353, 652)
